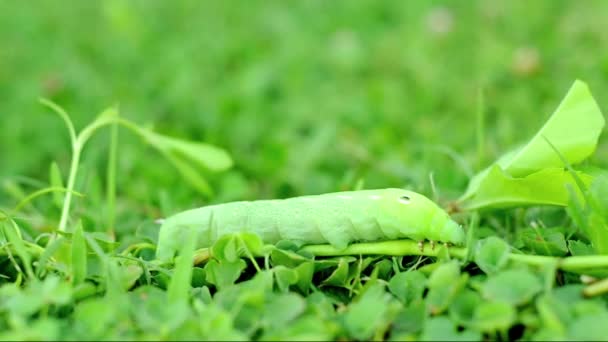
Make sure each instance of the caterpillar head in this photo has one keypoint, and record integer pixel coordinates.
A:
(417, 216)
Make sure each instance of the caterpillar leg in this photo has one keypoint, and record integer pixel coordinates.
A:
(421, 246)
(432, 245)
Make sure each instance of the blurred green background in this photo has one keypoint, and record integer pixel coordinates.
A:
(307, 96)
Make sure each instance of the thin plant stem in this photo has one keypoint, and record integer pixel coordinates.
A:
(596, 288)
(577, 264)
(67, 199)
(111, 180)
(36, 194)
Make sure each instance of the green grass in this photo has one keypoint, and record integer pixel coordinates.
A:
(307, 98)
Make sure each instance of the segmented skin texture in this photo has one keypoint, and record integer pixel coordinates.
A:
(338, 218)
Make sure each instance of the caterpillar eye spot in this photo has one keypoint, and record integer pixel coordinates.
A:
(405, 199)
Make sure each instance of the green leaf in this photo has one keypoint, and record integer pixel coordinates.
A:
(36, 296)
(250, 243)
(285, 277)
(281, 309)
(226, 248)
(440, 297)
(408, 286)
(569, 293)
(591, 327)
(410, 319)
(79, 256)
(498, 189)
(231, 247)
(543, 241)
(597, 233)
(573, 129)
(153, 311)
(85, 290)
(492, 254)
(463, 307)
(286, 258)
(115, 283)
(593, 218)
(578, 248)
(115, 290)
(305, 271)
(321, 305)
(246, 300)
(223, 274)
(48, 253)
(494, 316)
(446, 273)
(203, 294)
(546, 334)
(442, 329)
(203, 155)
(217, 325)
(93, 317)
(598, 192)
(130, 273)
(383, 268)
(554, 313)
(44, 329)
(513, 286)
(190, 158)
(368, 312)
(444, 284)
(199, 277)
(191, 174)
(340, 275)
(309, 328)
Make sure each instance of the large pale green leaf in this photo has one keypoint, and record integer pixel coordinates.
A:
(573, 129)
(545, 187)
(190, 158)
(203, 155)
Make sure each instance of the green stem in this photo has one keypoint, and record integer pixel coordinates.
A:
(597, 288)
(395, 248)
(583, 262)
(577, 264)
(111, 180)
(77, 147)
(36, 194)
(67, 199)
(137, 247)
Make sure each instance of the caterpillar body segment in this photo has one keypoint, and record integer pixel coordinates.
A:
(338, 218)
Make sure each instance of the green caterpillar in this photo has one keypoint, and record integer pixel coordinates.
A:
(337, 218)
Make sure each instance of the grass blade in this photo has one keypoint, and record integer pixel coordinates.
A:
(48, 253)
(11, 232)
(111, 179)
(179, 287)
(79, 256)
